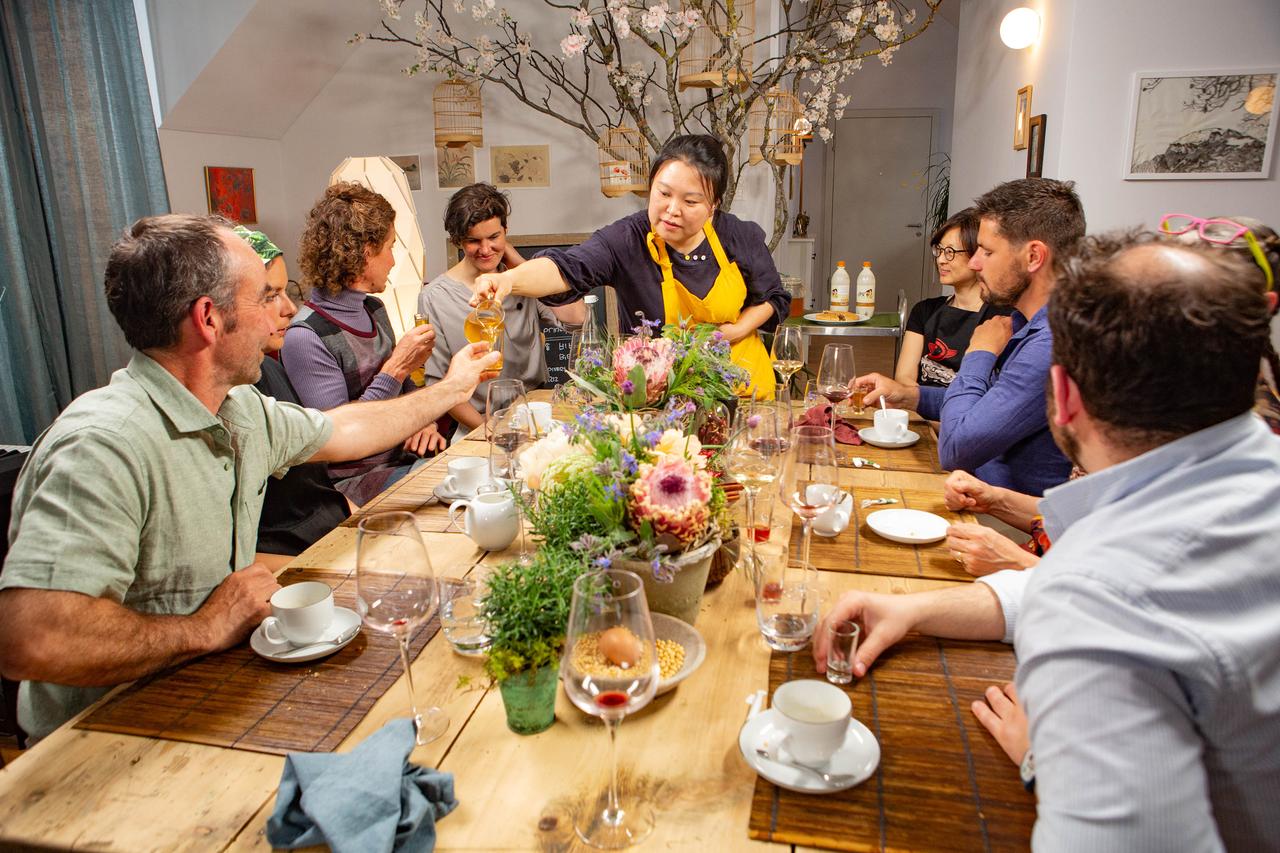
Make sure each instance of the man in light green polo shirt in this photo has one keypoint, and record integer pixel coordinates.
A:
(135, 518)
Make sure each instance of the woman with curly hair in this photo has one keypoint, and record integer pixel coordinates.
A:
(340, 347)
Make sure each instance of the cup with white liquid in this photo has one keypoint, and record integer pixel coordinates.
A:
(815, 718)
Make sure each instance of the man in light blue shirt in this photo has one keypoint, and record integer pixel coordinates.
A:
(992, 414)
(1148, 646)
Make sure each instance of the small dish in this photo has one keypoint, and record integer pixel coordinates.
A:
(858, 757)
(447, 497)
(870, 436)
(344, 619)
(816, 317)
(695, 649)
(835, 520)
(909, 526)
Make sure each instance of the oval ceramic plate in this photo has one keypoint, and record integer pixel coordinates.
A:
(816, 317)
(911, 526)
(695, 650)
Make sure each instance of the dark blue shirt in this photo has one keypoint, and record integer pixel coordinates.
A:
(993, 413)
(618, 256)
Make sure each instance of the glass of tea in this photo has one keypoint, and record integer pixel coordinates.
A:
(486, 322)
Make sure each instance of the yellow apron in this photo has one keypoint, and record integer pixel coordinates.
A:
(722, 304)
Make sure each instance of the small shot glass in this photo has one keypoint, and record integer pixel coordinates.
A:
(842, 643)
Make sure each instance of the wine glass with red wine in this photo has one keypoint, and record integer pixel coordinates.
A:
(835, 373)
(396, 593)
(610, 669)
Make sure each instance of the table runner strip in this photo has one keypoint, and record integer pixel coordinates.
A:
(942, 783)
(238, 700)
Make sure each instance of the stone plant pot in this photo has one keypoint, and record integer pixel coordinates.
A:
(681, 597)
(530, 699)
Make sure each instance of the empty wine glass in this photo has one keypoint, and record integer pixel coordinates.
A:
(396, 593)
(504, 394)
(788, 603)
(809, 478)
(510, 431)
(753, 455)
(610, 669)
(788, 355)
(835, 372)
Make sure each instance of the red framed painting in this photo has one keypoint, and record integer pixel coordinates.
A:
(230, 193)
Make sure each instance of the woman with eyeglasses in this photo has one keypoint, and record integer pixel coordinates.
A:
(938, 329)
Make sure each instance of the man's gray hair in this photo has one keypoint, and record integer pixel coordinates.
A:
(157, 271)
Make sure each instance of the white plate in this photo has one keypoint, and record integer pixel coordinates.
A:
(912, 526)
(695, 650)
(343, 620)
(449, 497)
(870, 436)
(813, 318)
(858, 756)
(833, 522)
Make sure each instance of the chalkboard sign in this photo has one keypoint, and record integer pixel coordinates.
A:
(558, 355)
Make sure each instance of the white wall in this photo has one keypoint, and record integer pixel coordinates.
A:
(1082, 73)
(186, 154)
(185, 35)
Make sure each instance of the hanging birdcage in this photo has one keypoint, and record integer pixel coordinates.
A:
(776, 129)
(624, 162)
(705, 62)
(459, 114)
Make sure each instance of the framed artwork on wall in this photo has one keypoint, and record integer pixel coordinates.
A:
(455, 167)
(412, 167)
(1035, 146)
(520, 165)
(1201, 124)
(1021, 117)
(229, 190)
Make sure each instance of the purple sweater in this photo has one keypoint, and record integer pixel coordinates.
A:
(312, 369)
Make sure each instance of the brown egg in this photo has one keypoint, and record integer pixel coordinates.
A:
(619, 646)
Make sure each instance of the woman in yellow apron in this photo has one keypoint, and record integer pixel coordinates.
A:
(682, 257)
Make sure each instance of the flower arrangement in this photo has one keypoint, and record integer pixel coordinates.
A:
(686, 363)
(625, 486)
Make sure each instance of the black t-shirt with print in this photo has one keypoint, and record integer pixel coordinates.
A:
(946, 331)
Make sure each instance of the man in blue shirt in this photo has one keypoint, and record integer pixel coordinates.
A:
(993, 413)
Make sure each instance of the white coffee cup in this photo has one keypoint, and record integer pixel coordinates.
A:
(541, 414)
(490, 519)
(891, 424)
(815, 717)
(300, 613)
(466, 474)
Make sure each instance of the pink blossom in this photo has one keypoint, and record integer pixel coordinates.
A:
(573, 45)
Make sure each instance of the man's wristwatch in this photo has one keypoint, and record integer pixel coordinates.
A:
(1027, 771)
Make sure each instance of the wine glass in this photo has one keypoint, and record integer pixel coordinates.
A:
(760, 435)
(396, 593)
(504, 394)
(788, 355)
(809, 479)
(510, 431)
(835, 372)
(788, 604)
(610, 613)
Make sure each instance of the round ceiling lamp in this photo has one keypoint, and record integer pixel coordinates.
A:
(1020, 28)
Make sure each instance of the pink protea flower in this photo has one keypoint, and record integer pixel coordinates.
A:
(654, 354)
(672, 495)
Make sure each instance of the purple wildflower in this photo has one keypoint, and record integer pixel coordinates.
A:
(627, 386)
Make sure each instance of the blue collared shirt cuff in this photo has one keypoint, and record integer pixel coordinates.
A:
(930, 405)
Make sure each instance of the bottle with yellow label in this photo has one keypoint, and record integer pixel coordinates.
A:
(486, 322)
(419, 376)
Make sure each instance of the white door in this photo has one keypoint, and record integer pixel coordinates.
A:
(875, 203)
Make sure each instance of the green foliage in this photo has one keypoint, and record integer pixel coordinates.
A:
(527, 609)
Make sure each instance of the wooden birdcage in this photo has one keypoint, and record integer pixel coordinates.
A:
(776, 129)
(624, 162)
(703, 61)
(459, 114)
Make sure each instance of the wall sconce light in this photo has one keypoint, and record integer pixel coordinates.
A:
(1020, 28)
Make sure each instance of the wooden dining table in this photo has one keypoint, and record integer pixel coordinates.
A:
(89, 788)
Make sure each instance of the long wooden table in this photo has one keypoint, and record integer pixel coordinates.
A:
(91, 789)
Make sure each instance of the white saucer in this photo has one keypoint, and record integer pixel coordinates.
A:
(833, 522)
(870, 436)
(858, 756)
(448, 497)
(343, 620)
(911, 526)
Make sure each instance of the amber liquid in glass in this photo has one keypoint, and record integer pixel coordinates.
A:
(480, 326)
(419, 376)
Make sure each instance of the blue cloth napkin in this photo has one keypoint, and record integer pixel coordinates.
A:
(369, 799)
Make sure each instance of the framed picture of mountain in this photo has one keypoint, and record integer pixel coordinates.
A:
(1202, 124)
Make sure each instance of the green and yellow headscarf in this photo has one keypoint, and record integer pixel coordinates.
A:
(260, 243)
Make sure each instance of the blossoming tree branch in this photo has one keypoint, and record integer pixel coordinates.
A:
(618, 62)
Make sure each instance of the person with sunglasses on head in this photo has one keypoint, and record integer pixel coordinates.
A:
(938, 329)
(1261, 244)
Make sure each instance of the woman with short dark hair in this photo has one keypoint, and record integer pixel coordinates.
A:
(938, 329)
(682, 258)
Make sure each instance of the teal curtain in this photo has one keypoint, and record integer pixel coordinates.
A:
(81, 161)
